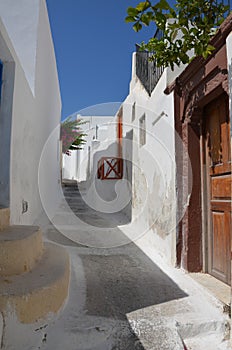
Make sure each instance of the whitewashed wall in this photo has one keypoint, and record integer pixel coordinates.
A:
(36, 106)
(69, 166)
(82, 165)
(78, 165)
(101, 192)
(153, 174)
(153, 205)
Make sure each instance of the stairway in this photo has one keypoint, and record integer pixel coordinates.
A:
(34, 276)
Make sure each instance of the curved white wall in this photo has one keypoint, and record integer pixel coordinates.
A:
(36, 106)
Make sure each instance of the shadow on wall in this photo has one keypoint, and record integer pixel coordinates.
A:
(7, 72)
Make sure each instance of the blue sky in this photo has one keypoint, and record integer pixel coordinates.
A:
(93, 48)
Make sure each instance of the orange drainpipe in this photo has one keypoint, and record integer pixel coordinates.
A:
(119, 133)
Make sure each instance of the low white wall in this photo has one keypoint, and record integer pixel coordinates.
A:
(36, 109)
(69, 165)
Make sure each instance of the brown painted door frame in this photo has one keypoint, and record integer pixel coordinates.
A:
(217, 188)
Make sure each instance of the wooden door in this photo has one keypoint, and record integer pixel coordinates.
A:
(218, 188)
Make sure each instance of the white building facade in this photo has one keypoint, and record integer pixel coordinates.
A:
(148, 119)
(78, 165)
(30, 109)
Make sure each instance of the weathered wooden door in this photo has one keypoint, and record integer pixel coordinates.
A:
(218, 187)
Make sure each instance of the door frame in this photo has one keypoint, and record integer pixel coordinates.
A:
(6, 116)
(201, 82)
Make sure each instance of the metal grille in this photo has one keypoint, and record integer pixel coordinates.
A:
(147, 71)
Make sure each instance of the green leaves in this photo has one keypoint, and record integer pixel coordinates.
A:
(71, 135)
(132, 11)
(162, 5)
(142, 6)
(129, 19)
(160, 20)
(139, 15)
(187, 28)
(145, 19)
(137, 27)
(208, 51)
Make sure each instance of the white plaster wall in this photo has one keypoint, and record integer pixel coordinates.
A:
(101, 194)
(36, 111)
(79, 165)
(107, 147)
(69, 170)
(97, 140)
(153, 176)
(23, 15)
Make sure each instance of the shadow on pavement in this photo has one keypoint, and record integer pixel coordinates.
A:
(120, 281)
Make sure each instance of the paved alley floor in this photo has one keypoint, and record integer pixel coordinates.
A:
(120, 299)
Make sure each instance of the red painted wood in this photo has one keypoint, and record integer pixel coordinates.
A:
(110, 168)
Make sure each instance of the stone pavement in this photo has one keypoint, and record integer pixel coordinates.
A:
(119, 298)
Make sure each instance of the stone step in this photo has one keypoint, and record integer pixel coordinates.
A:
(4, 218)
(211, 341)
(33, 295)
(20, 249)
(203, 327)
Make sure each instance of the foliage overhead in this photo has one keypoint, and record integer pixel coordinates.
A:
(187, 28)
(71, 135)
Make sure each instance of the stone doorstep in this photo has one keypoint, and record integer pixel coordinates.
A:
(219, 290)
(157, 334)
(210, 342)
(195, 333)
(187, 320)
(194, 329)
(183, 334)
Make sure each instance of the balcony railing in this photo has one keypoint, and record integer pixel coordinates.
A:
(110, 168)
(146, 70)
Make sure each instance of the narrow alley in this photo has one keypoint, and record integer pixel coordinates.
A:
(120, 299)
(115, 217)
